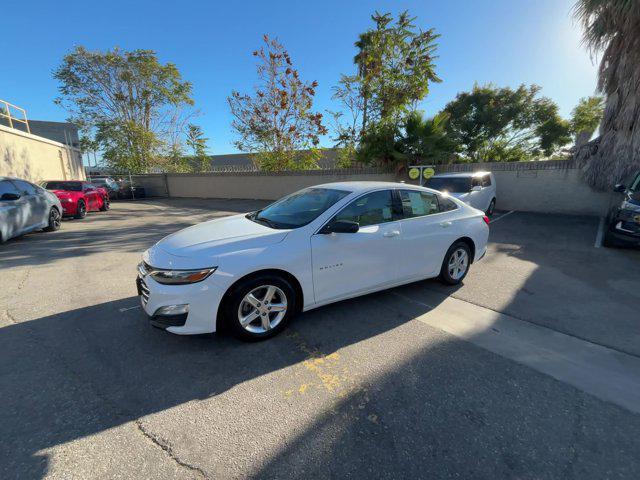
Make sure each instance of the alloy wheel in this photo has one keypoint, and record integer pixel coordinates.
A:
(262, 309)
(458, 264)
(54, 218)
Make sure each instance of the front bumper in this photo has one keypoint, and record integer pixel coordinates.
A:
(203, 299)
(625, 226)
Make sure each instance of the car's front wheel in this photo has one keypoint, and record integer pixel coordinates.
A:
(260, 307)
(455, 265)
(55, 219)
(105, 205)
(492, 207)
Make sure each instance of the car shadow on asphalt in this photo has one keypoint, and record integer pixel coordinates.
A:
(437, 412)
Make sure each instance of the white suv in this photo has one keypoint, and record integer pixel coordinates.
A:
(477, 189)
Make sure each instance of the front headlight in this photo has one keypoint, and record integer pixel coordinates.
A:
(180, 277)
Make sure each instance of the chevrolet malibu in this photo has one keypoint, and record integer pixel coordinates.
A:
(319, 245)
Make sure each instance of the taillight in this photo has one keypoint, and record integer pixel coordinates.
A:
(486, 219)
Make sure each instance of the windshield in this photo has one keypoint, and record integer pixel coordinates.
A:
(450, 184)
(298, 209)
(69, 186)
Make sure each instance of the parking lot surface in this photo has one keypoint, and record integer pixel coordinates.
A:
(415, 382)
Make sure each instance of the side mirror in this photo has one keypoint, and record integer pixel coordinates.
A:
(341, 226)
(477, 188)
(10, 196)
(619, 188)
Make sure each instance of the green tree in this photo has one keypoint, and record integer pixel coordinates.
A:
(502, 124)
(416, 139)
(278, 121)
(128, 101)
(198, 144)
(585, 118)
(427, 139)
(612, 30)
(395, 67)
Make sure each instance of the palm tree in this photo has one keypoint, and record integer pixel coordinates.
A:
(363, 62)
(612, 29)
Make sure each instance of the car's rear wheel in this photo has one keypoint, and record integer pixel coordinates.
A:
(105, 205)
(491, 208)
(55, 219)
(455, 265)
(260, 307)
(81, 210)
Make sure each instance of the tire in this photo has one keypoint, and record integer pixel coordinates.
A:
(491, 208)
(609, 242)
(449, 272)
(81, 210)
(105, 205)
(257, 312)
(55, 219)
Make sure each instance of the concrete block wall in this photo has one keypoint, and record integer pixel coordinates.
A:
(554, 186)
(545, 187)
(260, 185)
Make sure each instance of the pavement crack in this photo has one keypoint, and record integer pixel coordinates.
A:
(166, 447)
(123, 415)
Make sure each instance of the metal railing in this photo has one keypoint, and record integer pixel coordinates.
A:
(5, 112)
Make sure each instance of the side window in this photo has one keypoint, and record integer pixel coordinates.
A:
(446, 204)
(418, 204)
(370, 209)
(25, 187)
(486, 181)
(476, 182)
(7, 187)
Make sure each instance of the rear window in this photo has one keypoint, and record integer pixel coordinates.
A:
(58, 185)
(446, 204)
(450, 184)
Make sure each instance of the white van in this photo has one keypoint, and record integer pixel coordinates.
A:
(477, 189)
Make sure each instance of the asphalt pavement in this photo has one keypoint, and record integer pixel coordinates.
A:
(384, 386)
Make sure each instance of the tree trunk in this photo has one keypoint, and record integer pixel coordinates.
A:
(616, 153)
(582, 138)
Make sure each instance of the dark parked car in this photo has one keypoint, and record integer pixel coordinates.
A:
(129, 190)
(109, 184)
(623, 222)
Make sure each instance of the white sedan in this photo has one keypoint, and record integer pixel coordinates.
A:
(316, 246)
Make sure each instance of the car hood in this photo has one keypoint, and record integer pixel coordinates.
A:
(65, 193)
(207, 241)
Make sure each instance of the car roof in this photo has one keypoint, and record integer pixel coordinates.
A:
(363, 186)
(66, 181)
(461, 174)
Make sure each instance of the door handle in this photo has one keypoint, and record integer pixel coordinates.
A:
(391, 233)
(445, 224)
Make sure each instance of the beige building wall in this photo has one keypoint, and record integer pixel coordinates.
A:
(34, 158)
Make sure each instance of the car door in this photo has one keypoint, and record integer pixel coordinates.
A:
(428, 230)
(91, 195)
(35, 205)
(345, 264)
(13, 214)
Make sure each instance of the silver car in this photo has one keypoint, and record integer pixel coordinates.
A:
(25, 207)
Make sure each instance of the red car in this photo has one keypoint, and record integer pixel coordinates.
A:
(78, 197)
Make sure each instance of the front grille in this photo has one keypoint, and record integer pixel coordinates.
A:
(144, 291)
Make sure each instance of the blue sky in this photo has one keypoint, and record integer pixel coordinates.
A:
(498, 41)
